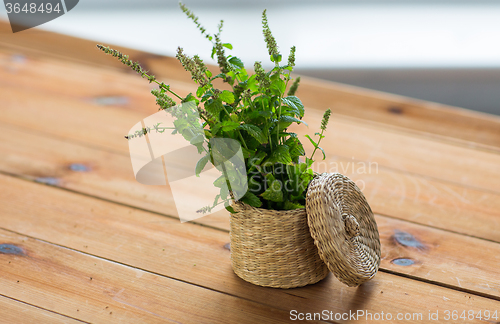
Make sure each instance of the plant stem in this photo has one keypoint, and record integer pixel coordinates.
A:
(238, 131)
(317, 145)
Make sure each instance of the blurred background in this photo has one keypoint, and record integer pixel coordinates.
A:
(442, 51)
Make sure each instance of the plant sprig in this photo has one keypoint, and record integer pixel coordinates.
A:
(257, 112)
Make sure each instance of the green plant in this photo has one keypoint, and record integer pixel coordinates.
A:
(257, 112)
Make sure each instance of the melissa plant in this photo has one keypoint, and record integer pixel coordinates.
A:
(257, 112)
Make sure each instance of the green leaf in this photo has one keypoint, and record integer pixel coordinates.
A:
(224, 191)
(227, 96)
(214, 107)
(289, 205)
(247, 153)
(230, 209)
(261, 102)
(198, 138)
(229, 125)
(242, 76)
(254, 185)
(226, 126)
(230, 78)
(312, 141)
(200, 91)
(208, 74)
(294, 111)
(305, 179)
(228, 45)
(266, 113)
(234, 117)
(296, 148)
(200, 165)
(290, 119)
(220, 75)
(255, 132)
(269, 177)
(296, 170)
(252, 83)
(259, 157)
(251, 199)
(236, 63)
(205, 97)
(294, 103)
(274, 192)
(220, 181)
(281, 154)
(278, 87)
(322, 151)
(276, 58)
(190, 97)
(321, 136)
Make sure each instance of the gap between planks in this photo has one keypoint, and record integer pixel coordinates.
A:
(31, 313)
(377, 124)
(439, 159)
(144, 295)
(219, 228)
(127, 266)
(427, 243)
(84, 52)
(394, 125)
(106, 173)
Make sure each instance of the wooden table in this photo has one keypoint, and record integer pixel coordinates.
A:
(82, 241)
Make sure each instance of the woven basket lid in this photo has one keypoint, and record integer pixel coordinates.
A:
(343, 228)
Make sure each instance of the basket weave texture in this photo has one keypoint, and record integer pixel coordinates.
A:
(274, 248)
(343, 227)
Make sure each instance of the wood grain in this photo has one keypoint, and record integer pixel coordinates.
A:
(407, 153)
(94, 172)
(109, 175)
(438, 256)
(474, 128)
(102, 291)
(423, 200)
(65, 109)
(54, 110)
(164, 246)
(441, 121)
(13, 311)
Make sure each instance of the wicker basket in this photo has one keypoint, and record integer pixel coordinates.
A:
(274, 248)
(336, 232)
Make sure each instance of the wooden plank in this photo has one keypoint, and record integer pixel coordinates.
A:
(77, 50)
(95, 172)
(438, 256)
(102, 291)
(109, 175)
(423, 200)
(399, 281)
(476, 128)
(407, 153)
(69, 117)
(91, 171)
(66, 117)
(13, 311)
(160, 245)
